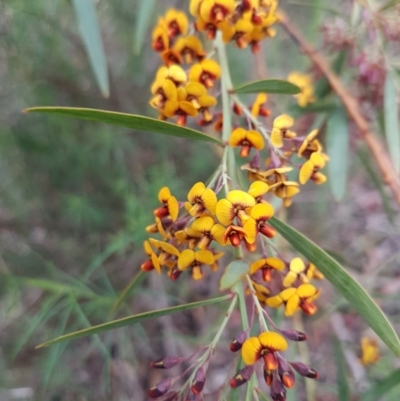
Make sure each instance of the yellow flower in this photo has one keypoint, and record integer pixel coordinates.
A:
(304, 82)
(247, 140)
(163, 90)
(194, 7)
(237, 31)
(210, 230)
(168, 256)
(177, 22)
(201, 199)
(369, 351)
(216, 10)
(188, 235)
(264, 346)
(200, 99)
(157, 227)
(310, 144)
(267, 265)
(310, 169)
(171, 57)
(313, 273)
(205, 72)
(280, 130)
(262, 292)
(257, 190)
(152, 262)
(262, 29)
(296, 270)
(189, 258)
(180, 107)
(259, 214)
(257, 108)
(159, 37)
(295, 298)
(209, 28)
(171, 205)
(190, 48)
(235, 204)
(234, 235)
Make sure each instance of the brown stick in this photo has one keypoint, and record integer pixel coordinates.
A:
(377, 150)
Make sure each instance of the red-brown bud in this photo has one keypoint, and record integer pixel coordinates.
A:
(175, 273)
(159, 389)
(242, 376)
(167, 362)
(238, 341)
(304, 370)
(293, 335)
(268, 376)
(170, 396)
(288, 378)
(199, 380)
(267, 230)
(278, 391)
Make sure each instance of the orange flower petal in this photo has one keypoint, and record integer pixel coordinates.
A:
(306, 172)
(173, 208)
(225, 212)
(262, 211)
(273, 341)
(164, 194)
(251, 350)
(258, 189)
(292, 305)
(186, 258)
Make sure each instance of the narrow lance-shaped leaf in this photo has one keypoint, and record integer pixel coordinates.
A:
(127, 120)
(337, 147)
(392, 131)
(343, 282)
(90, 32)
(279, 86)
(126, 321)
(379, 389)
(233, 273)
(142, 22)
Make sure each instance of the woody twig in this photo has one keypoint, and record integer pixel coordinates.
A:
(352, 106)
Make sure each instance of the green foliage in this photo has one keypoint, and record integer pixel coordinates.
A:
(233, 273)
(278, 86)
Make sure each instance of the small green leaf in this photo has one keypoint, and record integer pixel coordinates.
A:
(337, 147)
(146, 9)
(233, 273)
(269, 86)
(341, 375)
(130, 320)
(126, 291)
(392, 131)
(90, 32)
(343, 282)
(378, 390)
(320, 106)
(127, 120)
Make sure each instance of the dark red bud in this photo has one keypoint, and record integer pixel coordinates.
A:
(175, 273)
(170, 396)
(199, 380)
(294, 335)
(304, 370)
(288, 378)
(166, 363)
(237, 342)
(242, 376)
(268, 376)
(159, 389)
(278, 391)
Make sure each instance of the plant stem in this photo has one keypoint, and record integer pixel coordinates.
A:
(242, 305)
(263, 323)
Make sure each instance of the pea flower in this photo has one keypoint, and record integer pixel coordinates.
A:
(267, 266)
(205, 72)
(304, 82)
(247, 140)
(235, 204)
(201, 199)
(194, 260)
(310, 169)
(280, 130)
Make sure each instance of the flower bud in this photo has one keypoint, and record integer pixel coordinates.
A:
(238, 341)
(278, 391)
(293, 335)
(242, 376)
(268, 376)
(170, 396)
(166, 363)
(304, 370)
(159, 389)
(199, 380)
(286, 374)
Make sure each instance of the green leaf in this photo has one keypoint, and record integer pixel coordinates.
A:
(127, 120)
(233, 273)
(378, 390)
(343, 282)
(130, 320)
(269, 86)
(343, 390)
(90, 32)
(320, 106)
(366, 161)
(337, 147)
(143, 18)
(127, 290)
(392, 131)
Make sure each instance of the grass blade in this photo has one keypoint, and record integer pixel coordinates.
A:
(378, 390)
(132, 320)
(144, 14)
(392, 131)
(269, 86)
(337, 145)
(343, 282)
(127, 290)
(127, 120)
(89, 29)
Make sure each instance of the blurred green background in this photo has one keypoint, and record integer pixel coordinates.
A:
(76, 196)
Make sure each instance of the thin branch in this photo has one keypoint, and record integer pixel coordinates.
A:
(353, 109)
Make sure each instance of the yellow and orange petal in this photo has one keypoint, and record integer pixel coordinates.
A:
(270, 263)
(272, 341)
(369, 351)
(258, 189)
(203, 199)
(251, 350)
(216, 11)
(177, 22)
